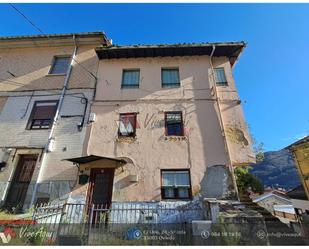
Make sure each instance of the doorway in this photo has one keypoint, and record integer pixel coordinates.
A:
(101, 186)
(20, 182)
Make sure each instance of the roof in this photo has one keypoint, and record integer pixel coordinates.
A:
(28, 40)
(284, 208)
(297, 193)
(92, 158)
(299, 142)
(275, 193)
(232, 50)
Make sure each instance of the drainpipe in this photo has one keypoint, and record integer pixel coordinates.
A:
(221, 122)
(51, 139)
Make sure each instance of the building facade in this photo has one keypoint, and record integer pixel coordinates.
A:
(47, 84)
(167, 125)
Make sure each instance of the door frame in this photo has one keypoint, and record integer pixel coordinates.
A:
(93, 173)
(17, 171)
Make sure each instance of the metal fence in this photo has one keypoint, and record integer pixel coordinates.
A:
(118, 223)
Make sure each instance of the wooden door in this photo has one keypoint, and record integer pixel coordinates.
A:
(101, 186)
(21, 180)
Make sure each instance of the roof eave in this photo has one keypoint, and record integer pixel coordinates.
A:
(231, 50)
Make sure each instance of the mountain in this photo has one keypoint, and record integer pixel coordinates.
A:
(277, 169)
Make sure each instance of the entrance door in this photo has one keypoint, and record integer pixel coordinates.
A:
(101, 186)
(100, 194)
(21, 180)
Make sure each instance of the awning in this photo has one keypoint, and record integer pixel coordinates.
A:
(92, 158)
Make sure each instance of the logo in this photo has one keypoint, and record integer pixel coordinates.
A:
(261, 234)
(7, 235)
(133, 233)
(205, 234)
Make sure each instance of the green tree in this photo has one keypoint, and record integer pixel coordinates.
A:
(246, 180)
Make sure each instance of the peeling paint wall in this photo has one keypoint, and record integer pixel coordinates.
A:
(236, 130)
(202, 146)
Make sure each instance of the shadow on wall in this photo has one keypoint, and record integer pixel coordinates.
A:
(32, 76)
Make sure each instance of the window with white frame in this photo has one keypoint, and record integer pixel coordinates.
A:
(176, 184)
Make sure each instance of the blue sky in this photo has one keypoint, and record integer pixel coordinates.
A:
(272, 75)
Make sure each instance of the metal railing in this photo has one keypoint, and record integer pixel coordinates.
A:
(117, 223)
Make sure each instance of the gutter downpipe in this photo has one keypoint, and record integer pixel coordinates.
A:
(221, 123)
(57, 115)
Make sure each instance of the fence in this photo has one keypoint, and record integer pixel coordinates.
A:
(118, 223)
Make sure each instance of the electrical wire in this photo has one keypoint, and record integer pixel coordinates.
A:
(41, 31)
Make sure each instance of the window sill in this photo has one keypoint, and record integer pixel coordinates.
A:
(170, 87)
(56, 74)
(126, 88)
(222, 85)
(126, 139)
(175, 138)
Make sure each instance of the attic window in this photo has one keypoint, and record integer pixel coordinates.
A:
(60, 65)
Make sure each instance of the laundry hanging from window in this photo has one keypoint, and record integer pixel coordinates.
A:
(127, 125)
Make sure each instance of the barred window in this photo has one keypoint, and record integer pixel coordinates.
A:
(173, 124)
(176, 184)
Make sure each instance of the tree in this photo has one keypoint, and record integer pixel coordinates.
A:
(246, 180)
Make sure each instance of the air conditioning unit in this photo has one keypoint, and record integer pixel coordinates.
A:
(92, 117)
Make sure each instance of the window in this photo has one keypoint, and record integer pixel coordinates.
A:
(175, 184)
(60, 65)
(173, 124)
(127, 125)
(170, 77)
(220, 77)
(42, 115)
(130, 78)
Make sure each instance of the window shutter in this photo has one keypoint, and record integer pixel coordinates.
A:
(44, 112)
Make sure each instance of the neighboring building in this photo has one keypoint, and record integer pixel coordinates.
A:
(270, 199)
(167, 124)
(278, 203)
(45, 98)
(300, 149)
(300, 194)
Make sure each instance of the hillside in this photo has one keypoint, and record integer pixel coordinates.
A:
(277, 169)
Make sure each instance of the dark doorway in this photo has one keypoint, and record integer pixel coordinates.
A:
(100, 194)
(21, 180)
(101, 186)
